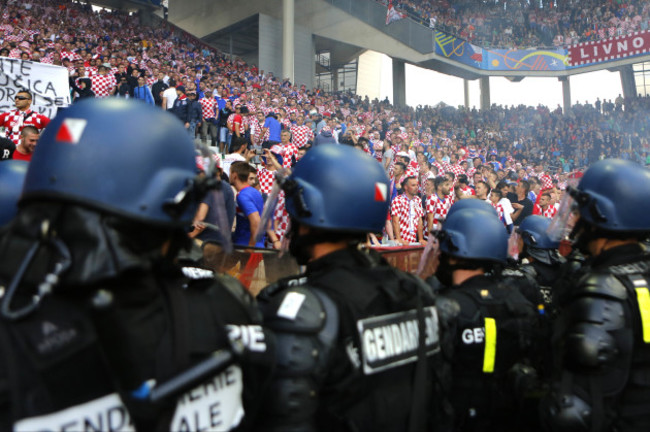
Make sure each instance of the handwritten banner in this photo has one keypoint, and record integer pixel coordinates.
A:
(609, 49)
(48, 84)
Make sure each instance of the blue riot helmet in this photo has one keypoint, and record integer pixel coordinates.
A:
(614, 196)
(117, 156)
(471, 203)
(535, 236)
(533, 231)
(475, 235)
(338, 188)
(12, 177)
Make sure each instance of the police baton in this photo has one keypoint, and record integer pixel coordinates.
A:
(187, 380)
(108, 322)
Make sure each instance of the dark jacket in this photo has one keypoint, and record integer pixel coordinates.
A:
(157, 88)
(150, 319)
(349, 391)
(194, 112)
(181, 109)
(325, 137)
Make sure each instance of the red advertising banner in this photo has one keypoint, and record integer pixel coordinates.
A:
(609, 49)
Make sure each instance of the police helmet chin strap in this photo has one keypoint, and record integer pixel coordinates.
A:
(47, 239)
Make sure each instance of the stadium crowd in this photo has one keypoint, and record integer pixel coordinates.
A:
(528, 24)
(105, 321)
(243, 110)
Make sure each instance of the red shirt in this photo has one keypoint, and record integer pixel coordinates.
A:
(20, 156)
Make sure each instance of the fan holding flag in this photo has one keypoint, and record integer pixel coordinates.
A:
(393, 14)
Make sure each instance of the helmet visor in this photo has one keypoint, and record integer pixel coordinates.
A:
(430, 258)
(564, 220)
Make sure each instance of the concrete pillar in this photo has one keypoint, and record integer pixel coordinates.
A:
(335, 79)
(628, 82)
(466, 91)
(485, 93)
(288, 35)
(399, 83)
(566, 94)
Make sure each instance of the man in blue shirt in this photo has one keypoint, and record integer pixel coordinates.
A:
(249, 206)
(273, 125)
(222, 117)
(142, 92)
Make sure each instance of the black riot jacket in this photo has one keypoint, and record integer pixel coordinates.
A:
(363, 378)
(602, 350)
(118, 323)
(495, 329)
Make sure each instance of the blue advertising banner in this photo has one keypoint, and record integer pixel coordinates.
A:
(462, 51)
(558, 59)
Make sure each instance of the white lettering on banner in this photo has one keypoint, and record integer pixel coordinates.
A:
(251, 336)
(471, 336)
(392, 340)
(609, 49)
(215, 405)
(106, 414)
(48, 83)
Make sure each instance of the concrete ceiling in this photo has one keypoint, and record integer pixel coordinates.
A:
(242, 37)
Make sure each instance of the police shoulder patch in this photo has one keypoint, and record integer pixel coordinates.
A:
(392, 340)
(197, 273)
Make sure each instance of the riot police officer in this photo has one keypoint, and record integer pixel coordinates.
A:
(539, 255)
(12, 176)
(603, 330)
(99, 327)
(357, 340)
(495, 324)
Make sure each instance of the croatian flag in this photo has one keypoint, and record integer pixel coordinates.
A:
(392, 14)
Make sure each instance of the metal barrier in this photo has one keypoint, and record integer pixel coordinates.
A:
(256, 268)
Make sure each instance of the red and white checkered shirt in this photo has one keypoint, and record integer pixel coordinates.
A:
(14, 122)
(500, 212)
(287, 152)
(468, 191)
(438, 207)
(457, 170)
(440, 167)
(256, 133)
(207, 107)
(103, 85)
(423, 180)
(549, 212)
(15, 53)
(378, 147)
(14, 38)
(410, 214)
(281, 217)
(412, 170)
(547, 181)
(300, 135)
(266, 179)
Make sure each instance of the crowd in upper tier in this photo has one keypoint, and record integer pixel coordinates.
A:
(527, 24)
